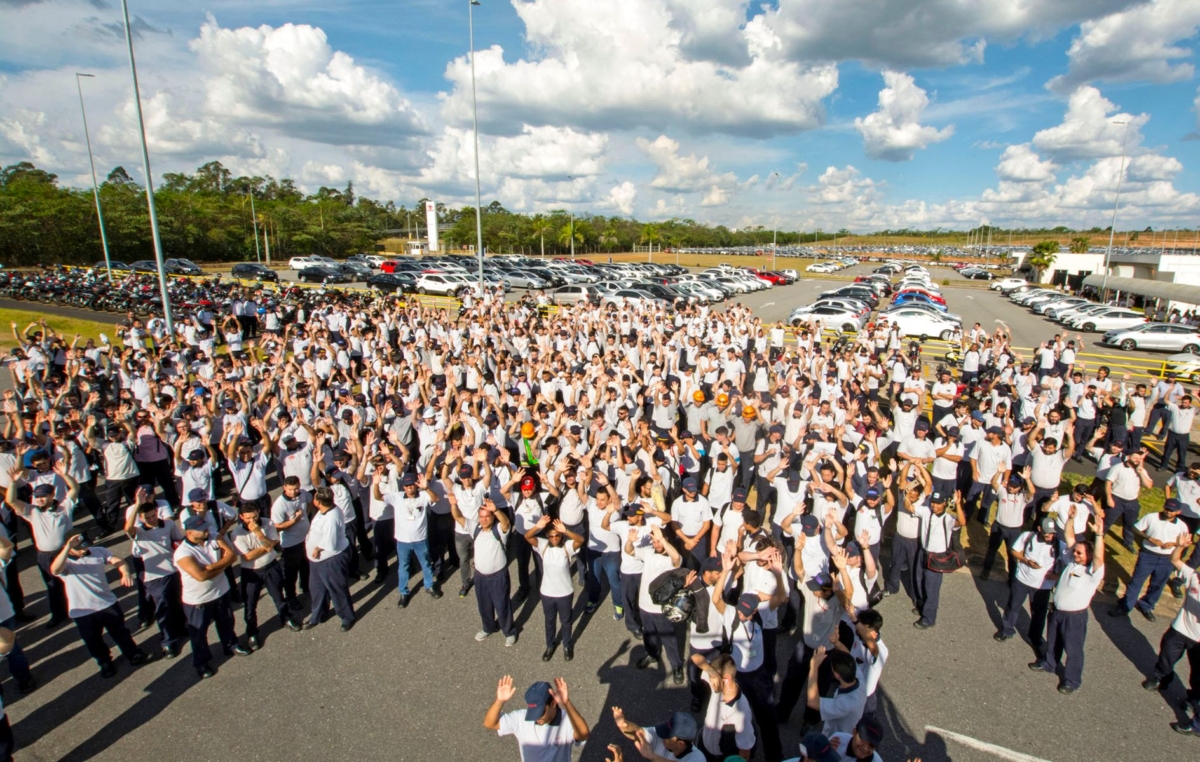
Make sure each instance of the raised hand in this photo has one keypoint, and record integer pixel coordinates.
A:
(505, 689)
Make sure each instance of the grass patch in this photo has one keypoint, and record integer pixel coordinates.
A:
(68, 327)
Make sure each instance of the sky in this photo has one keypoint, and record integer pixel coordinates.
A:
(801, 114)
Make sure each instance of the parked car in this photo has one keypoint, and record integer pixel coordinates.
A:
(299, 263)
(929, 307)
(179, 266)
(793, 274)
(146, 266)
(633, 295)
(1065, 316)
(922, 323)
(254, 271)
(575, 294)
(355, 270)
(976, 274)
(1005, 285)
(522, 279)
(114, 264)
(862, 293)
(916, 296)
(438, 283)
(1051, 309)
(836, 318)
(391, 283)
(320, 274)
(1169, 336)
(1113, 317)
(1184, 365)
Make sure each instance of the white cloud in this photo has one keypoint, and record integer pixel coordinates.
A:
(681, 174)
(625, 64)
(843, 186)
(22, 130)
(621, 198)
(1020, 164)
(170, 132)
(290, 78)
(1089, 129)
(1138, 44)
(894, 132)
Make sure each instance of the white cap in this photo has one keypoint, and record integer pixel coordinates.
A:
(103, 339)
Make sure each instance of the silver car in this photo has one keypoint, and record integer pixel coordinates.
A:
(1172, 337)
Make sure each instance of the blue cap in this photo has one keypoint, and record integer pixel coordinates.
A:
(197, 495)
(195, 523)
(689, 484)
(977, 416)
(680, 725)
(819, 581)
(1173, 505)
(536, 699)
(817, 748)
(43, 490)
(809, 524)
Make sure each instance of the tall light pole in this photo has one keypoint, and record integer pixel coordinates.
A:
(254, 223)
(95, 186)
(572, 213)
(475, 123)
(158, 251)
(1112, 229)
(775, 232)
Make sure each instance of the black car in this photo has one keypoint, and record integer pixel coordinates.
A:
(254, 271)
(178, 266)
(393, 283)
(862, 293)
(320, 275)
(355, 270)
(144, 266)
(115, 266)
(976, 274)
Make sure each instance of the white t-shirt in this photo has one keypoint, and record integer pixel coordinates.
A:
(1187, 621)
(1154, 525)
(656, 746)
(719, 714)
(552, 742)
(1041, 553)
(842, 712)
(1076, 586)
(653, 564)
(692, 515)
(556, 567)
(196, 592)
(411, 514)
(86, 583)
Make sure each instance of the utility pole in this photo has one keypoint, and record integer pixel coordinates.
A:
(254, 222)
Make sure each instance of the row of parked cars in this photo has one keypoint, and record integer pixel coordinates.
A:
(832, 265)
(174, 266)
(1122, 327)
(915, 304)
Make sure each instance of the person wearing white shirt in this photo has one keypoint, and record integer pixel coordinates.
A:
(658, 633)
(154, 538)
(728, 722)
(674, 739)
(411, 511)
(1073, 592)
(692, 516)
(989, 457)
(1122, 487)
(541, 734)
(1035, 556)
(1183, 636)
(938, 530)
(257, 544)
(557, 551)
(603, 548)
(91, 603)
(202, 562)
(841, 711)
(1012, 497)
(1179, 432)
(328, 562)
(1161, 533)
(489, 531)
(289, 514)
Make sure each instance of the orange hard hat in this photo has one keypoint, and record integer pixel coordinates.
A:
(698, 395)
(722, 399)
(527, 430)
(748, 412)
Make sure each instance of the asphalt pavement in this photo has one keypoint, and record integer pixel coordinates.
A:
(411, 684)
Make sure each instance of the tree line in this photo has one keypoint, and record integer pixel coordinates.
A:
(207, 216)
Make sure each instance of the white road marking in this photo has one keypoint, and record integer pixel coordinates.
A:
(768, 304)
(969, 297)
(991, 748)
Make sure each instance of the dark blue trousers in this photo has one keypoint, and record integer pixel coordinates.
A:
(1153, 566)
(1172, 648)
(254, 581)
(93, 626)
(492, 596)
(1039, 609)
(1176, 444)
(930, 590)
(1067, 632)
(1127, 511)
(164, 594)
(199, 617)
(329, 581)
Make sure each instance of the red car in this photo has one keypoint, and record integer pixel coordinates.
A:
(773, 278)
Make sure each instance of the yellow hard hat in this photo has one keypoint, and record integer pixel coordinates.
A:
(748, 412)
(722, 399)
(527, 430)
(698, 395)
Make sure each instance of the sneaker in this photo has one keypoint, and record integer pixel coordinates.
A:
(922, 624)
(169, 653)
(677, 675)
(107, 670)
(348, 626)
(618, 613)
(237, 651)
(1066, 690)
(638, 633)
(591, 607)
(481, 636)
(1000, 636)
(510, 641)
(1036, 666)
(464, 591)
(294, 626)
(1184, 728)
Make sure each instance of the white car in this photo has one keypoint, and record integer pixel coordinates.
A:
(1172, 337)
(926, 325)
(790, 273)
(1087, 309)
(438, 283)
(827, 316)
(1111, 318)
(1008, 284)
(822, 267)
(1184, 365)
(299, 263)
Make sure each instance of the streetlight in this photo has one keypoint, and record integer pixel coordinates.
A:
(775, 232)
(1112, 229)
(572, 213)
(475, 123)
(95, 186)
(158, 252)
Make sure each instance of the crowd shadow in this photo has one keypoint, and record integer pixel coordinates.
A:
(901, 742)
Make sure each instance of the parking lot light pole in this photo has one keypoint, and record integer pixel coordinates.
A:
(1112, 228)
(475, 123)
(158, 250)
(95, 187)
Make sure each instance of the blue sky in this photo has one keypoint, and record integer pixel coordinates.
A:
(866, 114)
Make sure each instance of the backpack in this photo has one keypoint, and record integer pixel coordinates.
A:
(874, 592)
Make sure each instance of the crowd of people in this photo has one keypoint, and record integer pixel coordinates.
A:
(726, 489)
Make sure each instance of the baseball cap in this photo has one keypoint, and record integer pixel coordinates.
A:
(1049, 526)
(429, 412)
(870, 731)
(196, 454)
(195, 523)
(816, 747)
(739, 495)
(466, 472)
(407, 480)
(853, 550)
(1172, 505)
(197, 495)
(527, 482)
(536, 698)
(43, 490)
(809, 525)
(711, 564)
(685, 434)
(952, 431)
(977, 416)
(872, 494)
(995, 430)
(689, 484)
(747, 604)
(819, 581)
(922, 425)
(680, 725)
(937, 497)
(632, 509)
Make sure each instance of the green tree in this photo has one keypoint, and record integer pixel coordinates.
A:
(1042, 257)
(1080, 245)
